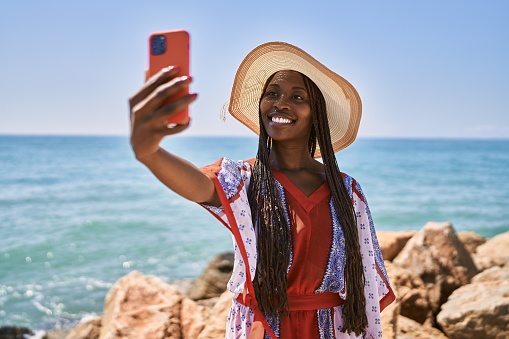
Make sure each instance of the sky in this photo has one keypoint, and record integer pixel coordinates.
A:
(424, 69)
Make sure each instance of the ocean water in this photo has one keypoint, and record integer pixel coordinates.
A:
(78, 213)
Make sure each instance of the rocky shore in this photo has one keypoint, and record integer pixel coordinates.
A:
(448, 285)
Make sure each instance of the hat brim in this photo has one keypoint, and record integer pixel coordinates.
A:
(344, 107)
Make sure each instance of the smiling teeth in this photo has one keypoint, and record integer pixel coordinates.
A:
(280, 120)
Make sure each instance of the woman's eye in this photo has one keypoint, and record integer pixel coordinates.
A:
(298, 97)
(271, 94)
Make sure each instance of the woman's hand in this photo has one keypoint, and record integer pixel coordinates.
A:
(149, 113)
(149, 116)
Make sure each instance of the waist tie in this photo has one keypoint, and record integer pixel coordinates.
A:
(307, 302)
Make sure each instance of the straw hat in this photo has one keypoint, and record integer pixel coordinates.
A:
(344, 106)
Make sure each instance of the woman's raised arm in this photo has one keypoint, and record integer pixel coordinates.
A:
(149, 114)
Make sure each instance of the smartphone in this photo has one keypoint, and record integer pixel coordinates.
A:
(170, 48)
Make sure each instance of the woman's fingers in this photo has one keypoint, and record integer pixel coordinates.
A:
(164, 75)
(158, 124)
(173, 129)
(165, 92)
(157, 98)
(169, 110)
(152, 106)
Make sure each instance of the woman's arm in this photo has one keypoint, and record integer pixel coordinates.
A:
(149, 114)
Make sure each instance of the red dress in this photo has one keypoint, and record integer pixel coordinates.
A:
(316, 274)
(311, 226)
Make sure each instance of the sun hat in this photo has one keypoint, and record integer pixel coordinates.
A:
(344, 107)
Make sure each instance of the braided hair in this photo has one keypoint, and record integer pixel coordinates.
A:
(274, 235)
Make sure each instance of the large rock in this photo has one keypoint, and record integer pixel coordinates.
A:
(477, 310)
(471, 240)
(494, 252)
(389, 319)
(495, 273)
(438, 257)
(410, 329)
(411, 293)
(140, 306)
(215, 327)
(57, 334)
(88, 328)
(212, 282)
(391, 243)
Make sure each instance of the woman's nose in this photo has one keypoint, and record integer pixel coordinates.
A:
(281, 103)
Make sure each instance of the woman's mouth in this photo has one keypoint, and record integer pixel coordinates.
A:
(277, 120)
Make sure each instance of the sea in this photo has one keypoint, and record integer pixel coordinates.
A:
(77, 213)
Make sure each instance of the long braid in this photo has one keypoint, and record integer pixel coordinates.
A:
(274, 237)
(354, 310)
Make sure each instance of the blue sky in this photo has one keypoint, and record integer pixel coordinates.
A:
(423, 68)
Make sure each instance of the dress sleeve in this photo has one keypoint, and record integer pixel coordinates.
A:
(372, 258)
(233, 177)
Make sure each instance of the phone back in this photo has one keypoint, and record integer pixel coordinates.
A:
(170, 48)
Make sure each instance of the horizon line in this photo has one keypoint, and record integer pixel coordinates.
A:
(84, 135)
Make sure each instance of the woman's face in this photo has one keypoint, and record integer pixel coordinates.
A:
(285, 108)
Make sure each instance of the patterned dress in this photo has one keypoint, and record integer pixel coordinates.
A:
(316, 285)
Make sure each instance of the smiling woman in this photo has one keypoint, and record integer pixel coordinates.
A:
(300, 226)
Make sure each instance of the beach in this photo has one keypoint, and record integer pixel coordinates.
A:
(79, 213)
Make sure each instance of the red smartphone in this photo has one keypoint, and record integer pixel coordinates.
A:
(170, 48)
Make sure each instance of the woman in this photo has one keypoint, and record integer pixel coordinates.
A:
(307, 262)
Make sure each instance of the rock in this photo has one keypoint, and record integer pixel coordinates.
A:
(391, 243)
(411, 293)
(438, 257)
(192, 318)
(477, 310)
(212, 282)
(88, 328)
(389, 317)
(495, 273)
(409, 329)
(482, 263)
(140, 306)
(216, 323)
(57, 334)
(494, 252)
(471, 240)
(183, 285)
(207, 303)
(14, 332)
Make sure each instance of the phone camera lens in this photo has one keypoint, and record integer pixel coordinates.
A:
(158, 44)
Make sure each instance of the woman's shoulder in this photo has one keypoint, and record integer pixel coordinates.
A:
(251, 161)
(241, 165)
(228, 165)
(353, 186)
(347, 179)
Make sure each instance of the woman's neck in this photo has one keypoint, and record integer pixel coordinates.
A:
(284, 157)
